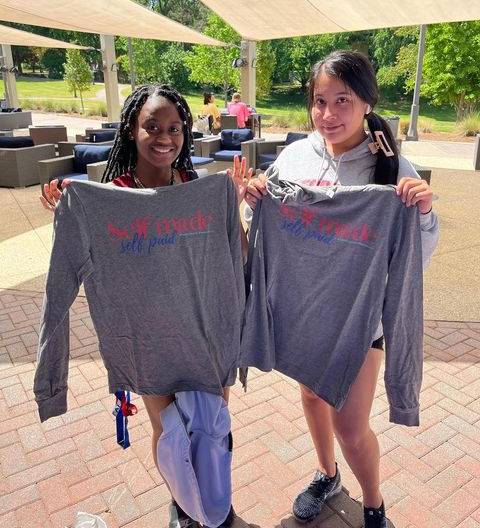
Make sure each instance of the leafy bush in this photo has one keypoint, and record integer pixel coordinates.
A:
(470, 126)
(51, 105)
(295, 120)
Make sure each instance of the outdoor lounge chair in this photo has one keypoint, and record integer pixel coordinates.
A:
(88, 162)
(14, 120)
(266, 152)
(230, 143)
(65, 148)
(228, 121)
(112, 124)
(18, 160)
(42, 135)
(97, 135)
(203, 167)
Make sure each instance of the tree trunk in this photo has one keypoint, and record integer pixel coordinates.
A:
(225, 94)
(81, 101)
(460, 106)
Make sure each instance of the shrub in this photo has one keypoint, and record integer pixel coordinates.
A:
(470, 125)
(296, 120)
(425, 125)
(404, 124)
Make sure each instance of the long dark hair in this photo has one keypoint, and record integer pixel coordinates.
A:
(123, 156)
(207, 97)
(355, 70)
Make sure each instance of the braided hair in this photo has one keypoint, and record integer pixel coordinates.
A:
(123, 155)
(356, 71)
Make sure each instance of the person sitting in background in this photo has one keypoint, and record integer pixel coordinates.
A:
(210, 109)
(240, 109)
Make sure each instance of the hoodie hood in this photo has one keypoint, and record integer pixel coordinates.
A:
(308, 162)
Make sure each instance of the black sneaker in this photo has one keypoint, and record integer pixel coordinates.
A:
(310, 502)
(375, 517)
(179, 519)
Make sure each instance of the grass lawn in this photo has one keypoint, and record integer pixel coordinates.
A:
(285, 107)
(46, 89)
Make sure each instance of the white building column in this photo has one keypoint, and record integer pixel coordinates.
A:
(9, 80)
(248, 50)
(109, 67)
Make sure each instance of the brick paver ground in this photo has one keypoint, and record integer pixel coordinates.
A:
(430, 475)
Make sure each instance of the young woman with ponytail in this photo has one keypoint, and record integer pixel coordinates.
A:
(350, 145)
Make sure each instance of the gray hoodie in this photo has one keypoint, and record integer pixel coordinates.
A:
(325, 265)
(163, 275)
(308, 162)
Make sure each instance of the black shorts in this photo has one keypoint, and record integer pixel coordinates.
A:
(378, 343)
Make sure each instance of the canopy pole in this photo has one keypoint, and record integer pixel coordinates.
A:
(9, 80)
(248, 50)
(109, 67)
(131, 60)
(412, 134)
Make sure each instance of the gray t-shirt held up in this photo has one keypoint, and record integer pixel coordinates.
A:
(163, 275)
(326, 264)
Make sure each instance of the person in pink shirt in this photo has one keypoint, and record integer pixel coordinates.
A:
(240, 109)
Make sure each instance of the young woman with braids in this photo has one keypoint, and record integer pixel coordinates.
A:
(151, 149)
(342, 94)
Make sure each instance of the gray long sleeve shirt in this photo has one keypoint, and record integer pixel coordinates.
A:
(328, 263)
(163, 275)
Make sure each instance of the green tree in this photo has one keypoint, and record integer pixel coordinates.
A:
(156, 62)
(306, 51)
(190, 13)
(211, 65)
(77, 73)
(52, 61)
(451, 72)
(282, 49)
(266, 62)
(395, 56)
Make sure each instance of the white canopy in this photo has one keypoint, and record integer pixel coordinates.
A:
(15, 37)
(272, 19)
(107, 17)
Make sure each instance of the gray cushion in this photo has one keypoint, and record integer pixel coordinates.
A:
(16, 142)
(231, 138)
(86, 154)
(226, 155)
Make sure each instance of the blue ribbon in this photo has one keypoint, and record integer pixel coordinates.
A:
(122, 403)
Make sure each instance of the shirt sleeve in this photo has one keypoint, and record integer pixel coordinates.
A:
(70, 264)
(233, 230)
(403, 321)
(429, 226)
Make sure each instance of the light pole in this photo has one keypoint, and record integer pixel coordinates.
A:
(412, 134)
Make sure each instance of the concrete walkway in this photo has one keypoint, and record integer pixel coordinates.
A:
(430, 475)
